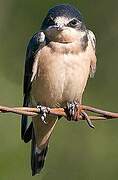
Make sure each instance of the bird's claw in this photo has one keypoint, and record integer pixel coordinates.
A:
(43, 111)
(74, 111)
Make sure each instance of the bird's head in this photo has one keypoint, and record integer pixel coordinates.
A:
(64, 24)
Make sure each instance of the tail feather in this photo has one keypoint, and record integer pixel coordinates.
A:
(37, 156)
(40, 138)
(28, 133)
(23, 126)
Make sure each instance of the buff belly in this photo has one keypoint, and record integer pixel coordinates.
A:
(59, 78)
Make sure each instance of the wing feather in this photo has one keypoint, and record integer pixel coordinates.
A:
(92, 39)
(33, 47)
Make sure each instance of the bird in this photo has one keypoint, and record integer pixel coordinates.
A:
(60, 58)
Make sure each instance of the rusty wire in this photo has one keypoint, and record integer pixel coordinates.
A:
(98, 114)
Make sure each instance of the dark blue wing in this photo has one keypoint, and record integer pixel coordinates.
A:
(32, 49)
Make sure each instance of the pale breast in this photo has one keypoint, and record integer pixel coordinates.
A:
(60, 76)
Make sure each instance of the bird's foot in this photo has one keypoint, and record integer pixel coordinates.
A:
(43, 111)
(74, 112)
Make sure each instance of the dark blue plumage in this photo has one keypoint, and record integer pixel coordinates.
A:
(65, 10)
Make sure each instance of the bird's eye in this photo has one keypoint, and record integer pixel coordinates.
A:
(73, 23)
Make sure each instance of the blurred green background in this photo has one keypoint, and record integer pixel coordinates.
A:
(76, 151)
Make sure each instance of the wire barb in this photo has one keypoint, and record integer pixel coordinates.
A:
(87, 119)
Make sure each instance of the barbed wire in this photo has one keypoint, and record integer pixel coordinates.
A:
(97, 114)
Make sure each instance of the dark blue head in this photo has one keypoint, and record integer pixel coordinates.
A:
(73, 16)
(64, 24)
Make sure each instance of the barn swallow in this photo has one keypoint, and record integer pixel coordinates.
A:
(59, 60)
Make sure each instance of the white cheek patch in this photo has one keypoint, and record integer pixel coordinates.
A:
(61, 20)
